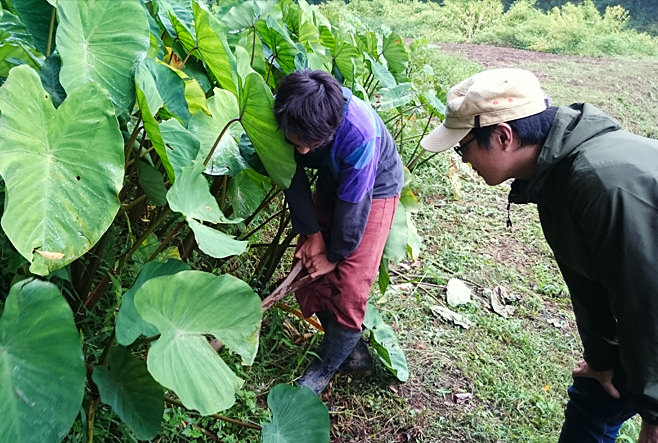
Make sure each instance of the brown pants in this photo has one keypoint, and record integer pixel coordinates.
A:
(345, 290)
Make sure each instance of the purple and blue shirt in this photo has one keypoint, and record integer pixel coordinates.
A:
(360, 163)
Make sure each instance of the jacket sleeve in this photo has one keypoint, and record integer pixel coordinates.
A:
(596, 323)
(617, 212)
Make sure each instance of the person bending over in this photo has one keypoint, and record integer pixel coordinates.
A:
(596, 191)
(344, 223)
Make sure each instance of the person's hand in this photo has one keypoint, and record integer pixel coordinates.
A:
(648, 433)
(313, 254)
(310, 246)
(320, 265)
(603, 377)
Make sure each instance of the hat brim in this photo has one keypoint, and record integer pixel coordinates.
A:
(442, 138)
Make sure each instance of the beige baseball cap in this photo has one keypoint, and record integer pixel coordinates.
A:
(487, 98)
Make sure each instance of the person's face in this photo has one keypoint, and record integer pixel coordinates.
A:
(301, 147)
(489, 163)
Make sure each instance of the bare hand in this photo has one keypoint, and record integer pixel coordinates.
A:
(313, 254)
(310, 246)
(648, 433)
(320, 265)
(603, 377)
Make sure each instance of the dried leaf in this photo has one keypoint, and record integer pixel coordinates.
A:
(50, 255)
(457, 292)
(499, 298)
(455, 181)
(452, 316)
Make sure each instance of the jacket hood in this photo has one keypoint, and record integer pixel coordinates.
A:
(573, 125)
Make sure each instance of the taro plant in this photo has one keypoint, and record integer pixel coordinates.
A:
(142, 213)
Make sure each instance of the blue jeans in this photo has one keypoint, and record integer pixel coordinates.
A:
(592, 415)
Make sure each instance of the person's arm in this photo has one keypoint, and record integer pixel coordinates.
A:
(300, 203)
(596, 323)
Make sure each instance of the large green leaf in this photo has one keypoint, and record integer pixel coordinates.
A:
(403, 239)
(383, 75)
(16, 45)
(347, 59)
(63, 169)
(216, 243)
(383, 339)
(396, 56)
(187, 307)
(245, 14)
(181, 9)
(37, 15)
(246, 191)
(184, 146)
(41, 365)
(279, 42)
(298, 416)
(102, 41)
(184, 34)
(128, 388)
(226, 160)
(395, 97)
(129, 325)
(190, 196)
(150, 101)
(171, 88)
(213, 46)
(257, 118)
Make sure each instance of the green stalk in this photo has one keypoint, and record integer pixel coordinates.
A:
(51, 29)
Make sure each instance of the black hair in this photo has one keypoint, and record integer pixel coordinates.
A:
(309, 104)
(530, 130)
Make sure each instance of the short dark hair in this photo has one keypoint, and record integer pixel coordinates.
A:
(309, 104)
(530, 130)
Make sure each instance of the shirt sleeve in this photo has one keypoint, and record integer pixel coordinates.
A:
(356, 178)
(349, 223)
(300, 203)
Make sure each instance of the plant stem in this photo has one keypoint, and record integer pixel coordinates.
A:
(131, 141)
(219, 137)
(51, 29)
(265, 203)
(187, 57)
(414, 157)
(151, 228)
(163, 244)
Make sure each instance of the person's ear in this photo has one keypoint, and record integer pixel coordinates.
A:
(504, 135)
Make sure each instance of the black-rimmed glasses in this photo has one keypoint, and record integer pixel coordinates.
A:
(460, 148)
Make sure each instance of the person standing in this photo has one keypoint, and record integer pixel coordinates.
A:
(344, 223)
(596, 190)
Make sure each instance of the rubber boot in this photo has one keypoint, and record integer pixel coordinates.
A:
(359, 361)
(337, 344)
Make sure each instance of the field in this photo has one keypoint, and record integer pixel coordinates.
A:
(504, 379)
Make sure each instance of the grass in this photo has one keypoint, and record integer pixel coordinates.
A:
(504, 379)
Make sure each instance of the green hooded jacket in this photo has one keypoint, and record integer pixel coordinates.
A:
(596, 190)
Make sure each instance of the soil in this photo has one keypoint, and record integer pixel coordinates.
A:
(626, 88)
(496, 57)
